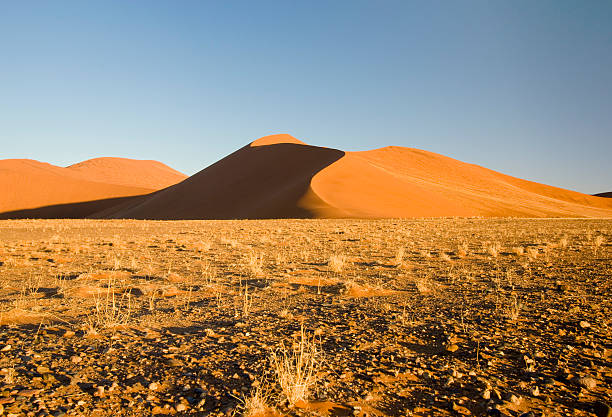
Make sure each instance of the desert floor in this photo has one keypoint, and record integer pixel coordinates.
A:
(307, 317)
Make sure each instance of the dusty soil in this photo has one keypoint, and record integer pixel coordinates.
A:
(408, 317)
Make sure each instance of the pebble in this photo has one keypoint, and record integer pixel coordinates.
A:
(452, 348)
(75, 359)
(584, 324)
(587, 382)
(153, 386)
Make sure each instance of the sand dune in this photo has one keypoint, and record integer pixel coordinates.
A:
(607, 194)
(279, 176)
(266, 179)
(28, 184)
(128, 172)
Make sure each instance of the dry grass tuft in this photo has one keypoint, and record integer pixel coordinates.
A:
(111, 310)
(399, 257)
(255, 263)
(493, 249)
(336, 263)
(257, 404)
(297, 367)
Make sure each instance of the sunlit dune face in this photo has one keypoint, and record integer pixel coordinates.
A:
(276, 139)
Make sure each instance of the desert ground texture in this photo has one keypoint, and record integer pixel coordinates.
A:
(424, 317)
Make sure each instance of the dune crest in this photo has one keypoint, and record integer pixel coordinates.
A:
(27, 184)
(279, 176)
(276, 139)
(153, 175)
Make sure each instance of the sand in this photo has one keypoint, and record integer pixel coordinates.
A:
(78, 190)
(281, 177)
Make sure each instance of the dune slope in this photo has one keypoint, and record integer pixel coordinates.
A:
(27, 184)
(280, 177)
(268, 178)
(405, 182)
(128, 172)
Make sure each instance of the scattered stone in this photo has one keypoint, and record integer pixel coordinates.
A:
(153, 386)
(452, 348)
(584, 324)
(587, 382)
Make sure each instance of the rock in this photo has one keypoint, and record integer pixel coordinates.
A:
(528, 414)
(28, 392)
(587, 382)
(584, 324)
(486, 395)
(512, 398)
(6, 348)
(42, 370)
(153, 386)
(534, 391)
(75, 359)
(181, 407)
(602, 409)
(494, 412)
(174, 362)
(451, 348)
(460, 409)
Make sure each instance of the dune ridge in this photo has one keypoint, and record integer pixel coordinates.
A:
(29, 184)
(279, 176)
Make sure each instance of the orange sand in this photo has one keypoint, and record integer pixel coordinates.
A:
(28, 184)
(278, 176)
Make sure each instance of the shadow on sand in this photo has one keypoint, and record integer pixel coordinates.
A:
(255, 182)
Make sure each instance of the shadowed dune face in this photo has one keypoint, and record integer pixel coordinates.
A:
(279, 176)
(269, 178)
(606, 195)
(68, 211)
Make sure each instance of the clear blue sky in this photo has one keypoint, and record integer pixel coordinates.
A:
(522, 87)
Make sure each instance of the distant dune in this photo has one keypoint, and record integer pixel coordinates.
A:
(128, 172)
(95, 184)
(279, 176)
(607, 195)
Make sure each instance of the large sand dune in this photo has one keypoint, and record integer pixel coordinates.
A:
(79, 190)
(279, 176)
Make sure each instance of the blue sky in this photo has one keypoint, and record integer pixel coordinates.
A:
(521, 87)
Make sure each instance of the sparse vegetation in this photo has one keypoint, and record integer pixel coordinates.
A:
(212, 318)
(297, 367)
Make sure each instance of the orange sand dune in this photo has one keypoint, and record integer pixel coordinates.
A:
(405, 182)
(278, 176)
(129, 172)
(269, 178)
(28, 184)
